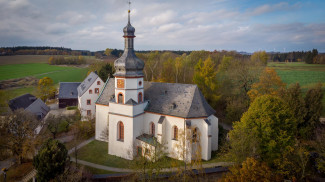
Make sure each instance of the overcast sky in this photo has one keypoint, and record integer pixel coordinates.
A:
(245, 25)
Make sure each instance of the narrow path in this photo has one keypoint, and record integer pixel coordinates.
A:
(97, 166)
(114, 169)
(81, 145)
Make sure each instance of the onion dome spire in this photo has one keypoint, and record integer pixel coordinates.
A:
(129, 65)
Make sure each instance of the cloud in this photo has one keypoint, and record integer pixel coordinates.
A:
(57, 28)
(181, 25)
(75, 18)
(268, 8)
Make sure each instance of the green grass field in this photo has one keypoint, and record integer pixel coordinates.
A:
(40, 70)
(307, 75)
(97, 152)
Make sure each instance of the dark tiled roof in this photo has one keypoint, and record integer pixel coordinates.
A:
(39, 108)
(29, 103)
(22, 101)
(107, 92)
(161, 119)
(131, 102)
(207, 122)
(149, 139)
(182, 100)
(68, 90)
(83, 87)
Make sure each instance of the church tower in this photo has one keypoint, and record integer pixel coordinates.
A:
(126, 109)
(129, 71)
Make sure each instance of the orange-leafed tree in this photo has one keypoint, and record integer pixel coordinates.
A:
(269, 84)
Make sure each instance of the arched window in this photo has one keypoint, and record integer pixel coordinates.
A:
(140, 97)
(152, 129)
(195, 135)
(120, 131)
(120, 98)
(175, 133)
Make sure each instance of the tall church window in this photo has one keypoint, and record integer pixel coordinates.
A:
(140, 97)
(152, 129)
(120, 131)
(120, 98)
(175, 133)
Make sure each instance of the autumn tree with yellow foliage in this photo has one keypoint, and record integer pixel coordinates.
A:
(269, 84)
(260, 57)
(46, 88)
(266, 130)
(205, 76)
(250, 170)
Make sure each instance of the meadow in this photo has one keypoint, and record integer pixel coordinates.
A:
(36, 66)
(40, 70)
(307, 75)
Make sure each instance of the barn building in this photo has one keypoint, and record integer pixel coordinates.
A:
(29, 103)
(68, 94)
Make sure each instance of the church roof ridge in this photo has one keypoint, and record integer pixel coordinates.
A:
(174, 99)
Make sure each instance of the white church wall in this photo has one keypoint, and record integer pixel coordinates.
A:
(148, 118)
(93, 97)
(101, 120)
(138, 128)
(214, 132)
(123, 148)
(133, 83)
(174, 146)
(170, 143)
(204, 138)
(121, 109)
(139, 109)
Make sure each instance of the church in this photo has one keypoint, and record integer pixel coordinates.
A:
(138, 116)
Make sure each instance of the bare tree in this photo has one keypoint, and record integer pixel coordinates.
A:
(18, 128)
(105, 134)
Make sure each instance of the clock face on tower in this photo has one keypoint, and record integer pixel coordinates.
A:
(120, 83)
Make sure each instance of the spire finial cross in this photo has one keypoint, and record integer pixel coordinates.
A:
(129, 11)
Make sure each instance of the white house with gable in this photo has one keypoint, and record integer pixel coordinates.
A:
(88, 92)
(142, 115)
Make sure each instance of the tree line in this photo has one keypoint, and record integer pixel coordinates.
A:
(73, 60)
(309, 57)
(42, 50)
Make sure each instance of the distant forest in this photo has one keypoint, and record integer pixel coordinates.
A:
(294, 56)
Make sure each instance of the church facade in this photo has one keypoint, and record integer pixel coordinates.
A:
(139, 117)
